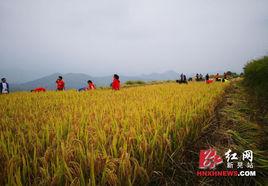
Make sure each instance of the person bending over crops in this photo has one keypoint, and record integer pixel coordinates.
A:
(116, 82)
(39, 89)
(224, 77)
(4, 86)
(208, 81)
(60, 84)
(82, 89)
(91, 85)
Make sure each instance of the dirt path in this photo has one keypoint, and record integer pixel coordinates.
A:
(239, 125)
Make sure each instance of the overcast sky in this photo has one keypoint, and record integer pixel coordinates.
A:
(130, 37)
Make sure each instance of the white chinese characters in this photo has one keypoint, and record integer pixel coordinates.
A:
(246, 161)
(247, 154)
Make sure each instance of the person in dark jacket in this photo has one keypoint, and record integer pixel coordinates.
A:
(197, 77)
(185, 79)
(224, 77)
(208, 81)
(207, 77)
(201, 77)
(4, 86)
(182, 77)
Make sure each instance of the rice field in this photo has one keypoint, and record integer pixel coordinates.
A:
(100, 137)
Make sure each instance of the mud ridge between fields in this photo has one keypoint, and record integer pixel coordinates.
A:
(236, 114)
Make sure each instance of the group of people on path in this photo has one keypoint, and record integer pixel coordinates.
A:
(199, 77)
(183, 79)
(223, 79)
(216, 77)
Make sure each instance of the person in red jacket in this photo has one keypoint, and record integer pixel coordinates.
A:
(60, 84)
(39, 89)
(116, 83)
(91, 85)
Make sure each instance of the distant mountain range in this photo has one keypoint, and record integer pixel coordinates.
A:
(78, 80)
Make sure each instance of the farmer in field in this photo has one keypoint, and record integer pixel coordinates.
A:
(82, 89)
(217, 77)
(182, 77)
(91, 85)
(224, 77)
(185, 79)
(60, 84)
(39, 89)
(4, 86)
(197, 77)
(207, 77)
(116, 82)
(208, 81)
(200, 77)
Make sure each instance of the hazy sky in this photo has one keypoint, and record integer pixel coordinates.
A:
(130, 37)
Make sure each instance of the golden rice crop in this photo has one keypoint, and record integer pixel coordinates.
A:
(100, 137)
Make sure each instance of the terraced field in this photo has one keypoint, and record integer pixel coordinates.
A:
(101, 137)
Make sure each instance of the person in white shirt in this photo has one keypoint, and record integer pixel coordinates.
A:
(4, 86)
